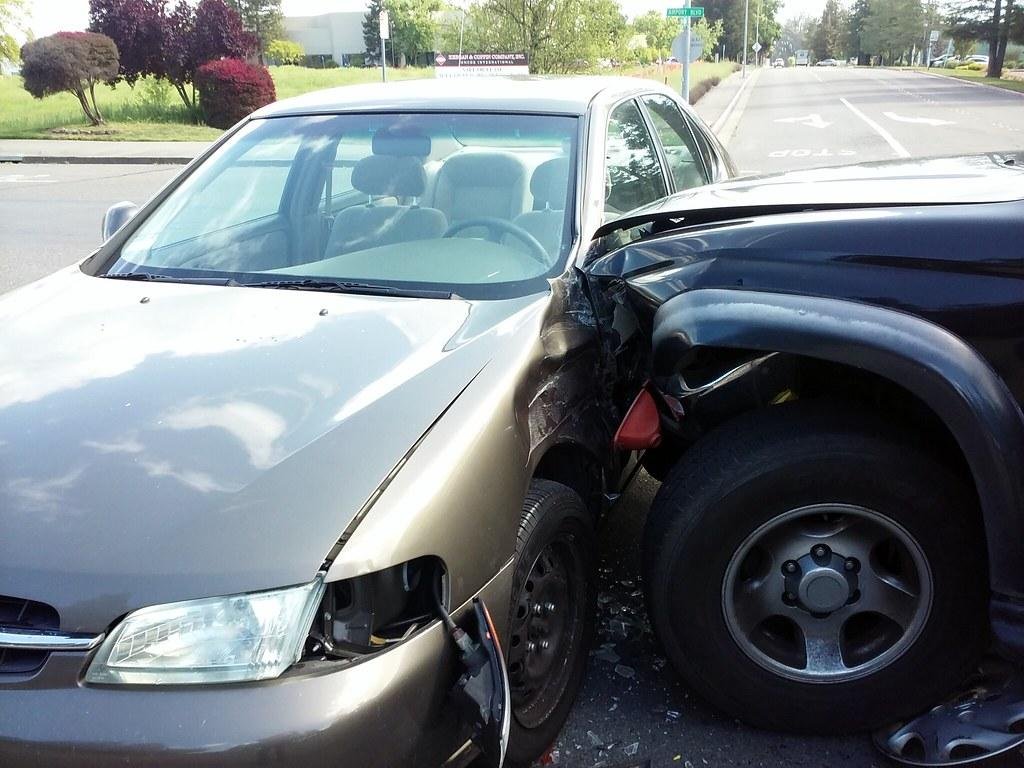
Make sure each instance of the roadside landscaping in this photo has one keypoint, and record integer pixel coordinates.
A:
(152, 111)
(1011, 79)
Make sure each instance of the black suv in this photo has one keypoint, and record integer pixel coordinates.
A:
(830, 378)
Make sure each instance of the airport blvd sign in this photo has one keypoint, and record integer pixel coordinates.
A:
(694, 12)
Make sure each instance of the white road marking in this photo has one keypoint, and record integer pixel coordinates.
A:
(919, 120)
(811, 121)
(898, 148)
(21, 178)
(811, 153)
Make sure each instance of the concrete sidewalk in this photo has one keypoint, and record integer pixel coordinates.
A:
(100, 152)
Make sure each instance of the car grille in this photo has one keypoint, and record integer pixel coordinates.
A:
(28, 614)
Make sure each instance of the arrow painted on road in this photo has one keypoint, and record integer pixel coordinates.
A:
(811, 121)
(918, 120)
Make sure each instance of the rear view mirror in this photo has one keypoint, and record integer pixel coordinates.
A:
(117, 216)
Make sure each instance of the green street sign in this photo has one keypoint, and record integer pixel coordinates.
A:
(695, 11)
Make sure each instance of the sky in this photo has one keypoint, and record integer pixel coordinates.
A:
(49, 16)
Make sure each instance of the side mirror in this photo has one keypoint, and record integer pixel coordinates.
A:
(117, 216)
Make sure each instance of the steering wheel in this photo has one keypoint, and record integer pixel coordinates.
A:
(496, 228)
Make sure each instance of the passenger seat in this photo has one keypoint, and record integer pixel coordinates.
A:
(549, 186)
(368, 226)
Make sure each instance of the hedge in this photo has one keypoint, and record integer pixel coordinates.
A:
(229, 89)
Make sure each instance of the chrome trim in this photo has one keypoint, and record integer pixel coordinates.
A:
(21, 639)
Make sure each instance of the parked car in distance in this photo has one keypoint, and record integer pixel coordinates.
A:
(778, 63)
(976, 58)
(838, 429)
(941, 61)
(827, 63)
(332, 386)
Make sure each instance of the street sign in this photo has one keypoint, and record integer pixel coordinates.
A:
(756, 47)
(695, 12)
(934, 36)
(385, 26)
(452, 65)
(679, 47)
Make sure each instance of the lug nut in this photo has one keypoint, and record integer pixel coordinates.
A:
(538, 609)
(820, 551)
(851, 564)
(531, 646)
(544, 645)
(789, 566)
(549, 607)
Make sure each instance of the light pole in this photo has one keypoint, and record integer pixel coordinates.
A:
(757, 33)
(746, 25)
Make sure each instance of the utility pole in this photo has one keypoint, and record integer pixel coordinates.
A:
(757, 33)
(686, 60)
(746, 26)
(385, 33)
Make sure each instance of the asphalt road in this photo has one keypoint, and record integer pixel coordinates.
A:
(819, 116)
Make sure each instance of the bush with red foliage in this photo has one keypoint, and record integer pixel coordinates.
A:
(70, 61)
(230, 89)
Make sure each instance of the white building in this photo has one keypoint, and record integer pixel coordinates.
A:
(339, 35)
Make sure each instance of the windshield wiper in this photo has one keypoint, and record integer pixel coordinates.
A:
(169, 279)
(348, 286)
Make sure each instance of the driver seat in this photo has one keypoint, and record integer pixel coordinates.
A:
(367, 226)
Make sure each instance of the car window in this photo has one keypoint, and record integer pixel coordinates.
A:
(478, 204)
(633, 173)
(681, 152)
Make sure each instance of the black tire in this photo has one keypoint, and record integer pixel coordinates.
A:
(557, 525)
(752, 470)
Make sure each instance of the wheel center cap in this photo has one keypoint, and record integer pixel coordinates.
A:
(823, 590)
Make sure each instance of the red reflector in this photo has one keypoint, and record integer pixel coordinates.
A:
(642, 426)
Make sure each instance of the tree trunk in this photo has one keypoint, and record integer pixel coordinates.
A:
(993, 41)
(80, 94)
(1004, 36)
(190, 104)
(92, 95)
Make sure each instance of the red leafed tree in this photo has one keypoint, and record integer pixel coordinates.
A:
(230, 89)
(70, 61)
(171, 42)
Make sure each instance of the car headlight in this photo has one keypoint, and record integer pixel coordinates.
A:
(213, 640)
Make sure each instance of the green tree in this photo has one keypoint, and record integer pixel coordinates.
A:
(413, 27)
(892, 29)
(12, 17)
(285, 52)
(855, 21)
(829, 33)
(996, 22)
(558, 36)
(371, 29)
(762, 23)
(659, 30)
(262, 19)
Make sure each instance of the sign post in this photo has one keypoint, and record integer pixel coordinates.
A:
(687, 12)
(385, 33)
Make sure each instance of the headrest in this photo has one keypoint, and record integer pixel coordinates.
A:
(403, 142)
(550, 182)
(389, 175)
(483, 169)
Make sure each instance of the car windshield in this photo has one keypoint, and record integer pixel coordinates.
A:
(467, 203)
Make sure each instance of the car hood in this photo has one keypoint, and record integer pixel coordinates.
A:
(160, 442)
(970, 179)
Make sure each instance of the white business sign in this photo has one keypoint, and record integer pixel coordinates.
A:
(451, 65)
(385, 25)
(934, 36)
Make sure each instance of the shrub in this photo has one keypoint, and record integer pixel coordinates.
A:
(702, 88)
(285, 52)
(230, 89)
(70, 61)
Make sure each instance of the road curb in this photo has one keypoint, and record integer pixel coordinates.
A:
(92, 160)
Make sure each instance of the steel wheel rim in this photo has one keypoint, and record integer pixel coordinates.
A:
(546, 631)
(832, 615)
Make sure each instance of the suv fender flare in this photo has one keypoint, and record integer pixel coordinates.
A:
(937, 366)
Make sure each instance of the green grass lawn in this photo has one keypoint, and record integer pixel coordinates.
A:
(672, 76)
(977, 77)
(152, 111)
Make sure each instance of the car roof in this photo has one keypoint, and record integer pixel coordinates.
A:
(563, 95)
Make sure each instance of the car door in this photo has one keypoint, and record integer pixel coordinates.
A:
(688, 166)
